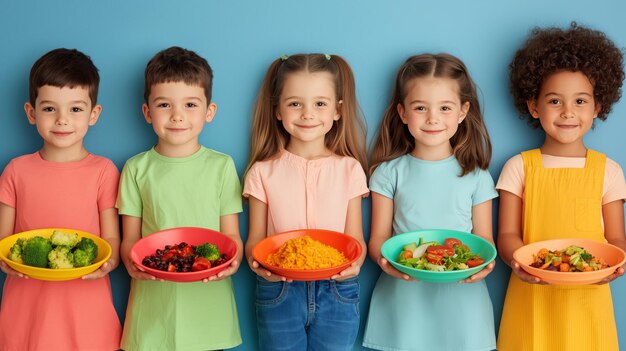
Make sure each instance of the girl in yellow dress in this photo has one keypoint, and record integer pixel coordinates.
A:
(562, 81)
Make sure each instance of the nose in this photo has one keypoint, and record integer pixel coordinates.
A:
(307, 112)
(61, 119)
(177, 115)
(431, 118)
(567, 112)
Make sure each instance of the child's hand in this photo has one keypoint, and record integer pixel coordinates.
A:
(105, 269)
(10, 271)
(389, 269)
(265, 274)
(618, 273)
(481, 274)
(232, 269)
(349, 272)
(524, 276)
(136, 273)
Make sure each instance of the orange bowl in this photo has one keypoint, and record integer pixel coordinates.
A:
(611, 254)
(346, 244)
(192, 236)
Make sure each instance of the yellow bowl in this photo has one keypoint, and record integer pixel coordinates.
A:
(104, 252)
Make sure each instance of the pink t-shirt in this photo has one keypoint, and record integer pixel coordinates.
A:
(512, 175)
(58, 315)
(306, 194)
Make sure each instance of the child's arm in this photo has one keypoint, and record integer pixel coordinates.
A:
(229, 225)
(354, 228)
(7, 225)
(382, 223)
(482, 226)
(510, 234)
(109, 231)
(613, 216)
(257, 232)
(131, 228)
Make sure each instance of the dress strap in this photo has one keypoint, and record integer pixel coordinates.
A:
(532, 158)
(595, 159)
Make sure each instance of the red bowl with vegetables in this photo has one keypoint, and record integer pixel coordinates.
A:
(438, 255)
(612, 255)
(191, 237)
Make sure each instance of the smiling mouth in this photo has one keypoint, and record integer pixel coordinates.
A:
(306, 127)
(61, 133)
(432, 131)
(567, 126)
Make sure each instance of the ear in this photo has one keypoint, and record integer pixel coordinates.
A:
(532, 108)
(95, 114)
(146, 113)
(30, 112)
(596, 111)
(210, 112)
(465, 107)
(338, 114)
(401, 110)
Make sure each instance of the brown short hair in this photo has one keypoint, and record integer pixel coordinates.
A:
(64, 68)
(574, 49)
(176, 64)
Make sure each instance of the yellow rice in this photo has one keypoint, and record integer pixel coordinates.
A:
(306, 253)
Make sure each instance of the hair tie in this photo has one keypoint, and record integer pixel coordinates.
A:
(284, 57)
(328, 57)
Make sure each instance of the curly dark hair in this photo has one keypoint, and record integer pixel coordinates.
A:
(577, 49)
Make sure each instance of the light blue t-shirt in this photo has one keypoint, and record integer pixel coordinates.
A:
(414, 315)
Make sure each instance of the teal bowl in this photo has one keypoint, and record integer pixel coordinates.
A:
(394, 245)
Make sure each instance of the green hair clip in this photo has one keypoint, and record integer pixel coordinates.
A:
(284, 57)
(327, 56)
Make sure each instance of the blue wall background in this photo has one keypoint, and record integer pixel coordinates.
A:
(240, 38)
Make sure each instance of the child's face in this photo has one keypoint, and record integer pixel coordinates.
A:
(178, 112)
(432, 110)
(308, 107)
(565, 107)
(62, 116)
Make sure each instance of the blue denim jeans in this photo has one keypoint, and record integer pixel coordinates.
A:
(307, 316)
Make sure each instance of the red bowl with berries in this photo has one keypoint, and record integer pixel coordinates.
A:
(175, 254)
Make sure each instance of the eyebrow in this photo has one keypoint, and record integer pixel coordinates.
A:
(184, 98)
(315, 97)
(71, 102)
(439, 102)
(557, 94)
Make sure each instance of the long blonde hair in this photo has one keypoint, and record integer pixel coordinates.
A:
(471, 144)
(346, 137)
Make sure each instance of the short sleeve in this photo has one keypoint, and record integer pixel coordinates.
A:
(7, 186)
(512, 176)
(230, 196)
(253, 184)
(485, 189)
(381, 181)
(358, 182)
(108, 187)
(615, 184)
(129, 199)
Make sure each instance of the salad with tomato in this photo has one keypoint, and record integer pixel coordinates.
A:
(434, 256)
(571, 259)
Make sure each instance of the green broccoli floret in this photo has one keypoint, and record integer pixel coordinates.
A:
(15, 252)
(85, 252)
(208, 251)
(59, 238)
(35, 251)
(61, 257)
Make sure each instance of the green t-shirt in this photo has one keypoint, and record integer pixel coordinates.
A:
(166, 192)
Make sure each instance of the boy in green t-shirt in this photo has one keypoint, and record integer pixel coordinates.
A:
(179, 183)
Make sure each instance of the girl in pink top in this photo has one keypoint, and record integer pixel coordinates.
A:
(60, 186)
(306, 170)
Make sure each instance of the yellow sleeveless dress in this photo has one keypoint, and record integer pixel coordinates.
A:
(559, 203)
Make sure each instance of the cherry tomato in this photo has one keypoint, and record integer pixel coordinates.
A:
(187, 251)
(200, 264)
(171, 268)
(440, 250)
(169, 254)
(433, 258)
(407, 254)
(473, 262)
(452, 242)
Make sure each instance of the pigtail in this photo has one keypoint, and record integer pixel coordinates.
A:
(267, 135)
(348, 136)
